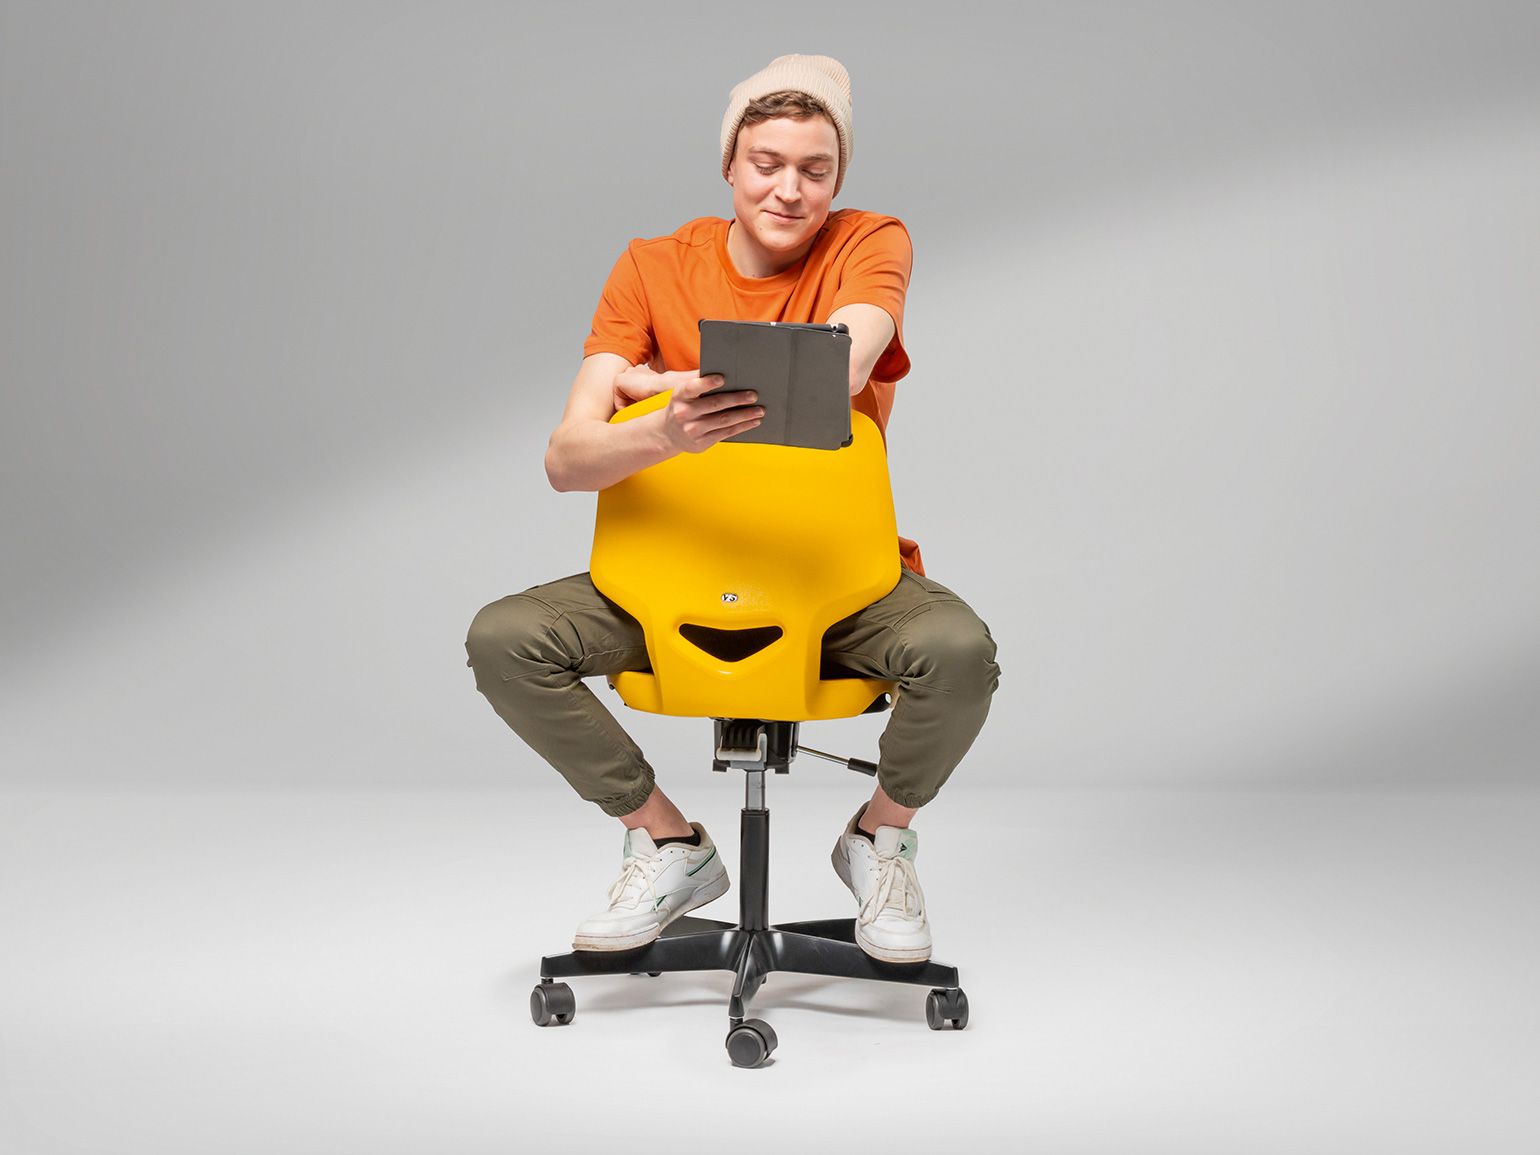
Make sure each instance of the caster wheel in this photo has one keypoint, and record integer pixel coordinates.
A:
(749, 1043)
(552, 1003)
(649, 974)
(944, 1006)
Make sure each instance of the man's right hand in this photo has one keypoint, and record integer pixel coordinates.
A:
(693, 423)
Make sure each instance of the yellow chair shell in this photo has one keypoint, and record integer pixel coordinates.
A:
(736, 560)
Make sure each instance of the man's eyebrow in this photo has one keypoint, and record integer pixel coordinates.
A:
(815, 156)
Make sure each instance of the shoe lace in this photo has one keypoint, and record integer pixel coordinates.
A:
(634, 882)
(898, 887)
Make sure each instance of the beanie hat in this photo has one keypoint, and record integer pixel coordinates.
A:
(821, 77)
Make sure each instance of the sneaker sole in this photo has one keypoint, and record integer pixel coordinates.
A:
(708, 893)
(889, 954)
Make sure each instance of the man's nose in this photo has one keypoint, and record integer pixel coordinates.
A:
(789, 185)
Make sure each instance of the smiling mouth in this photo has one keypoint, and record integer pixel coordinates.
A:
(782, 216)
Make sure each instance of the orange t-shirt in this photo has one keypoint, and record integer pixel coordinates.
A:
(661, 287)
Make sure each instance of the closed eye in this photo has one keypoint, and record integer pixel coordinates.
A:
(811, 175)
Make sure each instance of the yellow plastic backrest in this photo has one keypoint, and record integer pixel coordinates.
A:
(736, 560)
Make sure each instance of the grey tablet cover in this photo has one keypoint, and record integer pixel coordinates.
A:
(801, 373)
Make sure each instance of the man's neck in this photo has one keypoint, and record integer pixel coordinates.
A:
(749, 260)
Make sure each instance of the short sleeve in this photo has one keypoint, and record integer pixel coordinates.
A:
(622, 322)
(877, 273)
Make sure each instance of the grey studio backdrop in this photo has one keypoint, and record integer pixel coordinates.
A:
(1223, 412)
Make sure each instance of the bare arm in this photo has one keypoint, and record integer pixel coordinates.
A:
(586, 452)
(871, 328)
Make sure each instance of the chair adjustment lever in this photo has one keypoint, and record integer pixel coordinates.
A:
(860, 765)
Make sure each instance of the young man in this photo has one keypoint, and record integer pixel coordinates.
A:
(786, 142)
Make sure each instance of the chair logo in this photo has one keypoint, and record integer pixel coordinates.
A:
(729, 597)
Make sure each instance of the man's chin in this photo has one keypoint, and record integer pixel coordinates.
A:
(780, 238)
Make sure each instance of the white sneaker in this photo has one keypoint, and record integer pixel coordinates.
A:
(891, 923)
(656, 886)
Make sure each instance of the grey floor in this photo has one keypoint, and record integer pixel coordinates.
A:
(1149, 971)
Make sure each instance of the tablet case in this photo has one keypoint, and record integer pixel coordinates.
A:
(801, 373)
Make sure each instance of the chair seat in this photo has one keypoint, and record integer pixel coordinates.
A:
(841, 698)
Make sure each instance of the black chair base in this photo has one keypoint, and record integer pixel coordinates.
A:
(752, 948)
(818, 947)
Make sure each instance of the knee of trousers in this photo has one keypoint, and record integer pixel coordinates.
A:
(949, 646)
(511, 636)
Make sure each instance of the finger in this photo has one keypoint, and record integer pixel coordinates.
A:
(710, 416)
(739, 427)
(702, 404)
(692, 384)
(742, 399)
(740, 417)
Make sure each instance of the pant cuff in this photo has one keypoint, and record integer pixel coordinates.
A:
(620, 807)
(907, 798)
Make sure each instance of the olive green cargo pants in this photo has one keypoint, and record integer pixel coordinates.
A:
(531, 650)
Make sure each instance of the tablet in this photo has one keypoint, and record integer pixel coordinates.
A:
(801, 373)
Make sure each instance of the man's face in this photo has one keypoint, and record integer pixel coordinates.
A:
(783, 173)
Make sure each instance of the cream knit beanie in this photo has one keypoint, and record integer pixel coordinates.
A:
(821, 77)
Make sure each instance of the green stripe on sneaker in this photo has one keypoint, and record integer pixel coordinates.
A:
(703, 862)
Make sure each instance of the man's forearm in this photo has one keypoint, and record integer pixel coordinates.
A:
(871, 328)
(593, 455)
